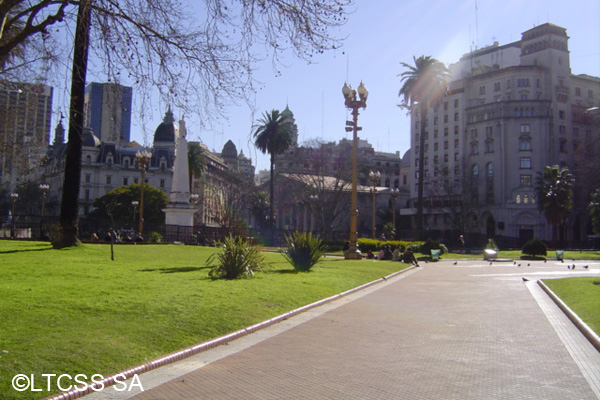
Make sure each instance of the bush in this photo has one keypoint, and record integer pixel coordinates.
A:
(535, 247)
(155, 237)
(237, 259)
(375, 245)
(429, 245)
(303, 250)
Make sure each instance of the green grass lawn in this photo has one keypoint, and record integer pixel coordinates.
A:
(582, 295)
(73, 311)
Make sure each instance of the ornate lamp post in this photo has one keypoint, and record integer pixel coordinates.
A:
(142, 158)
(395, 193)
(353, 103)
(13, 197)
(44, 188)
(374, 178)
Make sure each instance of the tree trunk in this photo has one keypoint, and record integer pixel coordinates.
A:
(69, 207)
(421, 182)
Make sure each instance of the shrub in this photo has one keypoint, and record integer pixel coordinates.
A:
(535, 247)
(237, 259)
(155, 237)
(428, 246)
(303, 250)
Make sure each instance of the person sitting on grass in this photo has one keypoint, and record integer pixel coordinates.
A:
(409, 257)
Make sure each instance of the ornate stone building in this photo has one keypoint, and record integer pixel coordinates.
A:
(511, 110)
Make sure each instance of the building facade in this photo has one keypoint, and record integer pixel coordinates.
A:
(25, 115)
(108, 111)
(510, 111)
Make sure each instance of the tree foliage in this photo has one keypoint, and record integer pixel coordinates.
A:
(594, 210)
(120, 199)
(554, 192)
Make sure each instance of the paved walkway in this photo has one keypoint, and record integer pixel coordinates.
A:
(442, 331)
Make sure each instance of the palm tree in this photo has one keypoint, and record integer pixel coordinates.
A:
(554, 192)
(273, 135)
(196, 161)
(423, 84)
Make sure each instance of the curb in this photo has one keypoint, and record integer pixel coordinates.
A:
(578, 322)
(178, 355)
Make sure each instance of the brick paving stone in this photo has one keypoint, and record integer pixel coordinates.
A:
(470, 331)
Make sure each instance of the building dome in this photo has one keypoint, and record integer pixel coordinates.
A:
(287, 113)
(166, 130)
(229, 150)
(89, 139)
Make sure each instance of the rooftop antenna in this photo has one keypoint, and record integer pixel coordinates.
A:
(476, 25)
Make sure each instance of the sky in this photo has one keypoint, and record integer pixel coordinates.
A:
(380, 34)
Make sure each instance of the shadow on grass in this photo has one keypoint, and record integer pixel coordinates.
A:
(24, 250)
(174, 270)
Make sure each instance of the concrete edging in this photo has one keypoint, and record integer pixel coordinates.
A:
(178, 355)
(578, 322)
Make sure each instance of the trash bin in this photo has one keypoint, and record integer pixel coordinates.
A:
(435, 255)
(560, 254)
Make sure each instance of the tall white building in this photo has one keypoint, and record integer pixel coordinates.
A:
(511, 110)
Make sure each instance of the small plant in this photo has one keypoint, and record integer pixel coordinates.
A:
(303, 250)
(237, 259)
(535, 247)
(155, 237)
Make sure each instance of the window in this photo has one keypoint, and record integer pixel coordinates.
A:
(162, 183)
(481, 90)
(87, 194)
(446, 157)
(475, 171)
(435, 134)
(561, 114)
(518, 199)
(456, 130)
(435, 146)
(108, 179)
(445, 106)
(109, 159)
(497, 87)
(445, 145)
(88, 178)
(126, 163)
(525, 162)
(525, 144)
(523, 82)
(590, 94)
(526, 199)
(445, 118)
(455, 103)
(562, 145)
(455, 117)
(474, 148)
(577, 91)
(508, 83)
(525, 128)
(490, 170)
(88, 159)
(525, 180)
(489, 145)
(125, 181)
(456, 143)
(562, 130)
(136, 180)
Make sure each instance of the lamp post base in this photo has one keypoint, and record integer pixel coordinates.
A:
(352, 255)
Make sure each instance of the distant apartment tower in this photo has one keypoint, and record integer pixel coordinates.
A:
(108, 111)
(510, 111)
(25, 117)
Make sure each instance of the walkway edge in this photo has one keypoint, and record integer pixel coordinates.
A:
(578, 322)
(178, 355)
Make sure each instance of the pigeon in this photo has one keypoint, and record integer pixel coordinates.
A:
(573, 266)
(490, 263)
(545, 261)
(528, 264)
(514, 263)
(525, 279)
(585, 266)
(562, 261)
(455, 262)
(519, 264)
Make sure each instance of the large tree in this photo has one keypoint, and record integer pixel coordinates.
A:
(198, 55)
(423, 84)
(273, 135)
(554, 192)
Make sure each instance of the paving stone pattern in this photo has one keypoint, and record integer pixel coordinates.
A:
(466, 331)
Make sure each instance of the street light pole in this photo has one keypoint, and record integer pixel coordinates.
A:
(374, 178)
(395, 193)
(44, 188)
(353, 103)
(135, 204)
(13, 197)
(143, 158)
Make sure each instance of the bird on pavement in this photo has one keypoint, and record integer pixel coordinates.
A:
(568, 267)
(514, 263)
(525, 279)
(455, 262)
(573, 266)
(528, 264)
(585, 266)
